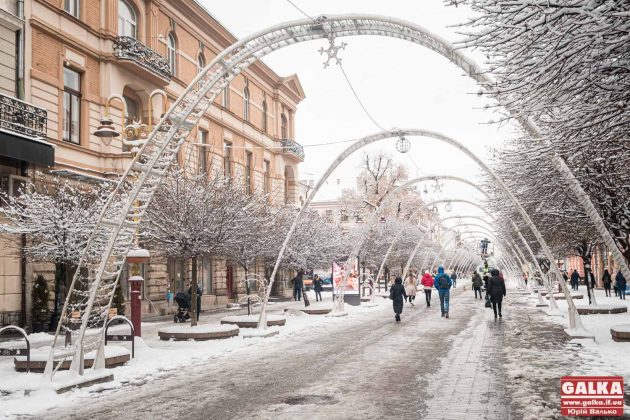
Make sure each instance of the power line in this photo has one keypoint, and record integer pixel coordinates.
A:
(354, 92)
(300, 10)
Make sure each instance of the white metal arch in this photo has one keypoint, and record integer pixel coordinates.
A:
(108, 244)
(447, 200)
(404, 186)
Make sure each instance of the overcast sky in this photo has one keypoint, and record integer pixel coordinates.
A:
(401, 84)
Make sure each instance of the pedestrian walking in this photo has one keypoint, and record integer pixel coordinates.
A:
(575, 280)
(496, 291)
(592, 276)
(410, 288)
(298, 283)
(443, 285)
(397, 295)
(427, 284)
(607, 280)
(621, 285)
(318, 286)
(454, 278)
(476, 283)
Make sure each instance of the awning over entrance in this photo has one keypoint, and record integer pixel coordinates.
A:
(27, 149)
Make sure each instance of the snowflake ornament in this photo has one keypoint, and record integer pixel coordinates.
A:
(437, 187)
(332, 51)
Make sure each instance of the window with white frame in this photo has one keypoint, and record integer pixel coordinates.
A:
(73, 7)
(201, 62)
(246, 103)
(171, 53)
(71, 121)
(284, 129)
(249, 167)
(127, 20)
(264, 116)
(202, 139)
(267, 176)
(227, 159)
(225, 100)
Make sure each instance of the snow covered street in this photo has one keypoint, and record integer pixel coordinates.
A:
(362, 366)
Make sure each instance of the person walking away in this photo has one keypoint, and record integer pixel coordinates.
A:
(621, 285)
(318, 286)
(454, 278)
(410, 288)
(397, 295)
(476, 283)
(427, 284)
(575, 280)
(298, 283)
(607, 280)
(496, 291)
(443, 285)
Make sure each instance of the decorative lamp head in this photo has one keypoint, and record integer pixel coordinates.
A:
(106, 130)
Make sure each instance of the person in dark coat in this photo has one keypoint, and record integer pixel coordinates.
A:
(298, 283)
(317, 286)
(398, 295)
(592, 276)
(575, 280)
(454, 279)
(476, 283)
(198, 299)
(621, 285)
(496, 291)
(607, 280)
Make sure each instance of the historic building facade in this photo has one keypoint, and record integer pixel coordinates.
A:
(130, 59)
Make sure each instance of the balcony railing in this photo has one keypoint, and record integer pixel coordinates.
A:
(128, 48)
(293, 147)
(23, 118)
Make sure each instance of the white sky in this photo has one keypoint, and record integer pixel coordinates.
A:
(400, 83)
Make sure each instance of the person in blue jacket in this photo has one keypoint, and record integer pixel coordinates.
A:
(621, 285)
(443, 284)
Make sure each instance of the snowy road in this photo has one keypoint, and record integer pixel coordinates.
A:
(365, 367)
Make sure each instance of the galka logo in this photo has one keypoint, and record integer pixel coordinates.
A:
(591, 396)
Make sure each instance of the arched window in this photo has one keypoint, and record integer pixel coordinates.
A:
(284, 129)
(127, 21)
(246, 103)
(171, 53)
(133, 110)
(264, 116)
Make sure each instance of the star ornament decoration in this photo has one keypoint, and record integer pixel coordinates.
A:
(332, 51)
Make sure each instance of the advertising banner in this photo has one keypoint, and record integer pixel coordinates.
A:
(352, 284)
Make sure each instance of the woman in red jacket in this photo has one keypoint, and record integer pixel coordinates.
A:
(427, 283)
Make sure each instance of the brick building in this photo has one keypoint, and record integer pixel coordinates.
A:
(80, 52)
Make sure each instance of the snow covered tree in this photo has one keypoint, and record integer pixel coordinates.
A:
(191, 216)
(57, 215)
(564, 65)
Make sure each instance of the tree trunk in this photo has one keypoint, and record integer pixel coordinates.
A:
(247, 290)
(193, 294)
(306, 301)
